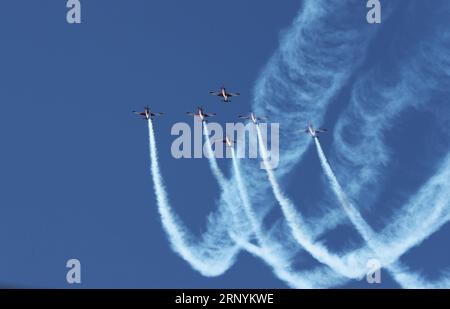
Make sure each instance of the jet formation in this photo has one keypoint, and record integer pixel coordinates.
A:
(148, 114)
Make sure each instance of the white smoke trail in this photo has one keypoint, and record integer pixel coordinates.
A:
(361, 154)
(413, 236)
(250, 214)
(267, 252)
(358, 221)
(427, 212)
(220, 177)
(239, 225)
(295, 222)
(206, 263)
(354, 215)
(301, 57)
(390, 253)
(302, 78)
(316, 20)
(286, 79)
(362, 161)
(413, 280)
(411, 228)
(282, 268)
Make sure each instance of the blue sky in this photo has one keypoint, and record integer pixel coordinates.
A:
(75, 162)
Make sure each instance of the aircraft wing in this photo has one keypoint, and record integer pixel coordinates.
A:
(210, 115)
(233, 94)
(215, 93)
(191, 114)
(140, 114)
(244, 117)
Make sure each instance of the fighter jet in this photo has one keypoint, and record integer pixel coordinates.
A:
(253, 118)
(147, 113)
(229, 142)
(201, 114)
(224, 94)
(314, 133)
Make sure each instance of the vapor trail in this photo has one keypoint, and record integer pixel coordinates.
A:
(295, 223)
(233, 206)
(358, 221)
(212, 159)
(282, 268)
(405, 277)
(198, 257)
(300, 81)
(265, 250)
(416, 84)
(354, 215)
(254, 222)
